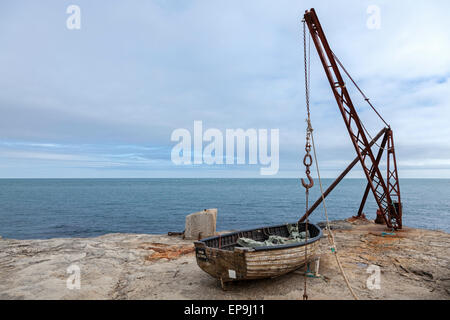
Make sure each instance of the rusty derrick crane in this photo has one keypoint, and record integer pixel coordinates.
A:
(386, 191)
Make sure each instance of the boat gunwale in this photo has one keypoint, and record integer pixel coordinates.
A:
(264, 248)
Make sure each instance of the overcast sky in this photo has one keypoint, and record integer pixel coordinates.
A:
(103, 101)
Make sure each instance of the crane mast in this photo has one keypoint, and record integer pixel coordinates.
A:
(386, 192)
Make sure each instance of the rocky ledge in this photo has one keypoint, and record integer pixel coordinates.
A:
(413, 264)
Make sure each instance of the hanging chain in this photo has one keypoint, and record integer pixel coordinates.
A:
(307, 160)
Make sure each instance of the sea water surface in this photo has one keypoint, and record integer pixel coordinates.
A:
(48, 208)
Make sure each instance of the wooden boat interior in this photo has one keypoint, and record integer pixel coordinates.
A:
(229, 241)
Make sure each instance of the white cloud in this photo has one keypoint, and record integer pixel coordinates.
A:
(138, 70)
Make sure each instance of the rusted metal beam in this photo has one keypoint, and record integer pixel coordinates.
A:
(393, 181)
(352, 121)
(380, 154)
(341, 176)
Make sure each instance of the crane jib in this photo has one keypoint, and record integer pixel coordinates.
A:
(386, 191)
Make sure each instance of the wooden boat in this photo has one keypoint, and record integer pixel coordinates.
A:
(224, 259)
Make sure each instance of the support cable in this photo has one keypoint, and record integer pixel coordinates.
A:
(307, 160)
(365, 98)
(357, 87)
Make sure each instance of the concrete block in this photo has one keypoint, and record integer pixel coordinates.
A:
(201, 224)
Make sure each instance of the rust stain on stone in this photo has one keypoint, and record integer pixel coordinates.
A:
(165, 251)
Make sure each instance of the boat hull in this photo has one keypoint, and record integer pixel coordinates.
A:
(224, 260)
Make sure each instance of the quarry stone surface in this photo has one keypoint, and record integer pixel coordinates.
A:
(414, 264)
(201, 224)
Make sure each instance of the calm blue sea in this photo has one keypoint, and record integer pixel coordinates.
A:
(48, 208)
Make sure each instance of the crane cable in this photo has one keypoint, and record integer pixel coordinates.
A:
(360, 91)
(365, 98)
(310, 135)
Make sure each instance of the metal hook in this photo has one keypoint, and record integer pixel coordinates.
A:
(311, 182)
